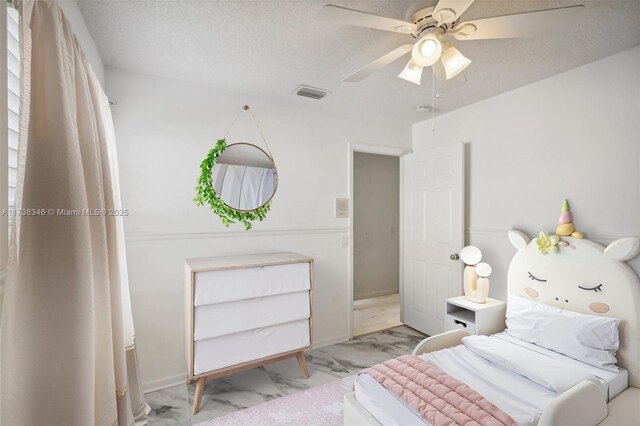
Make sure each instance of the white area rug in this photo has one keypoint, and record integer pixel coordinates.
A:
(320, 405)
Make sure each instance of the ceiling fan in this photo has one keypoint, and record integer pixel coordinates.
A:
(432, 27)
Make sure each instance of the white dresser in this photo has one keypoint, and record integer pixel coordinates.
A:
(244, 312)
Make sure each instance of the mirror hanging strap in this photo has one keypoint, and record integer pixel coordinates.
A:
(247, 108)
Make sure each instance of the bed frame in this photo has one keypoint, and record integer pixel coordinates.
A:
(582, 261)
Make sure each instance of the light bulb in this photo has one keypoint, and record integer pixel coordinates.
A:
(483, 269)
(427, 50)
(471, 255)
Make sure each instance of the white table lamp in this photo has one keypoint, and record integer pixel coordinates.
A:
(476, 283)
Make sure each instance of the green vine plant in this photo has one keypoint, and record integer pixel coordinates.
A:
(206, 195)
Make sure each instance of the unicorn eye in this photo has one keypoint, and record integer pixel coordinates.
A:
(532, 278)
(596, 288)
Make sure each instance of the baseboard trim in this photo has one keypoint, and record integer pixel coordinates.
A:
(151, 236)
(166, 382)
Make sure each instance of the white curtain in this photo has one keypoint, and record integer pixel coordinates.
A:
(67, 352)
(243, 187)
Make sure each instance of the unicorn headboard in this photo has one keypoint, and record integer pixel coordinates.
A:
(583, 276)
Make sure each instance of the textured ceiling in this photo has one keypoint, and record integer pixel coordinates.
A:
(267, 48)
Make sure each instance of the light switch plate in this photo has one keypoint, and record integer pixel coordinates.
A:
(342, 208)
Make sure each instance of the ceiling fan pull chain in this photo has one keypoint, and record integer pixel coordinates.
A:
(433, 100)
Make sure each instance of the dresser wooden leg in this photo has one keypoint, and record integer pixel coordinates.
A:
(198, 396)
(303, 364)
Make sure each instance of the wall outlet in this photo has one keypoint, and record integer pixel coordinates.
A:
(344, 241)
(342, 208)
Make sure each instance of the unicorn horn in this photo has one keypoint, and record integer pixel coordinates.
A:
(565, 222)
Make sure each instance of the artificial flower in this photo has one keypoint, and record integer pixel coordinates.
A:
(547, 243)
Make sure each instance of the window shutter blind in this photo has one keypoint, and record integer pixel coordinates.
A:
(13, 100)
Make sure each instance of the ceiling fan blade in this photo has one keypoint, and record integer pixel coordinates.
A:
(379, 63)
(342, 15)
(447, 11)
(529, 24)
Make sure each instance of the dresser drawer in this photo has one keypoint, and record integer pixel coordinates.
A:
(227, 285)
(242, 315)
(232, 349)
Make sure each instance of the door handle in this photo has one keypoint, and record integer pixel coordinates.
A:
(454, 256)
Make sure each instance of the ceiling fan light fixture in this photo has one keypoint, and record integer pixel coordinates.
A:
(412, 72)
(432, 24)
(427, 50)
(454, 62)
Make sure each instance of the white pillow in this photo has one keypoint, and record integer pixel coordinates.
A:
(588, 338)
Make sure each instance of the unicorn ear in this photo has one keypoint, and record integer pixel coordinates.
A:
(623, 249)
(518, 239)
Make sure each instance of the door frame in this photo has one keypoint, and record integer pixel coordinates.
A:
(380, 150)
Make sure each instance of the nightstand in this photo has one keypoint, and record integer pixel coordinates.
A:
(476, 318)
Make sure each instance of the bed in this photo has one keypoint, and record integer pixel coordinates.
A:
(583, 277)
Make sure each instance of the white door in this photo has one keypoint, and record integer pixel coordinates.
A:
(433, 192)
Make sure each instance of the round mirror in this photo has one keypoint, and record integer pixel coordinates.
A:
(244, 177)
(483, 269)
(471, 255)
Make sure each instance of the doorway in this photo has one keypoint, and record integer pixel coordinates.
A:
(376, 242)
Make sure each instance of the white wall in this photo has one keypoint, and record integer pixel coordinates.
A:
(575, 135)
(164, 129)
(376, 218)
(73, 14)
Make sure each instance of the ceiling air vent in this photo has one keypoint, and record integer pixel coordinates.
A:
(311, 92)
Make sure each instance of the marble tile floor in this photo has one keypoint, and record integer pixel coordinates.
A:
(172, 406)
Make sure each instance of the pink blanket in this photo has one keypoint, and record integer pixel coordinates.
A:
(440, 399)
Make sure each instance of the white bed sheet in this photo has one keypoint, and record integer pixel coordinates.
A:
(518, 396)
(383, 405)
(611, 383)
